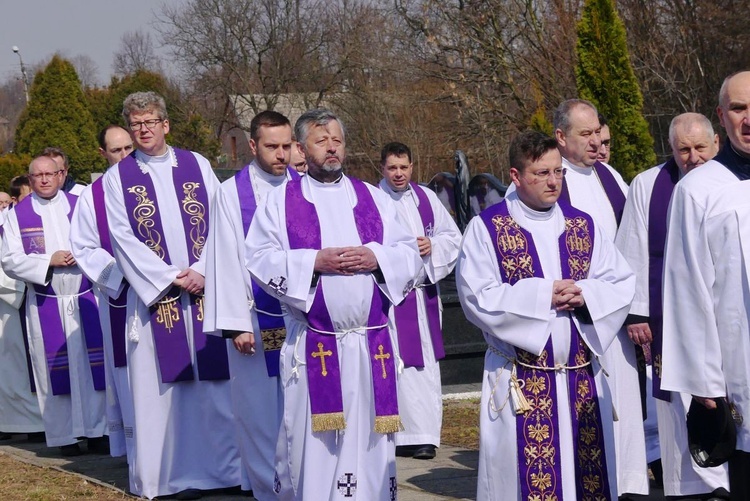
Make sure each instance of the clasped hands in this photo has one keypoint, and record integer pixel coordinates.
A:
(62, 258)
(189, 280)
(345, 260)
(566, 295)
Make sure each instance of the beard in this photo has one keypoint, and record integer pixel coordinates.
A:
(325, 166)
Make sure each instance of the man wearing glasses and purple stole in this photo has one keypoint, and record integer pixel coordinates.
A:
(158, 207)
(65, 338)
(333, 250)
(549, 292)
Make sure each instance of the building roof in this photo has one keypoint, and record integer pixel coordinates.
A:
(246, 106)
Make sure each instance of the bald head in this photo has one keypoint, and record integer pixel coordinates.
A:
(734, 110)
(693, 140)
(45, 175)
(115, 144)
(4, 200)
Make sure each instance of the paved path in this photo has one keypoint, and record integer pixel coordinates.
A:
(451, 475)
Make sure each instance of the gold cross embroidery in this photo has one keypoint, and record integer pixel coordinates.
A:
(322, 356)
(382, 357)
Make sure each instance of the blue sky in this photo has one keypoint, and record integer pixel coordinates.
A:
(92, 27)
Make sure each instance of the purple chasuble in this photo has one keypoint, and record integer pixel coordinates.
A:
(657, 237)
(323, 370)
(406, 314)
(117, 316)
(538, 429)
(611, 188)
(53, 332)
(167, 323)
(267, 307)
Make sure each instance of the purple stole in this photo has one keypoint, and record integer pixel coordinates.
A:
(657, 236)
(323, 371)
(406, 314)
(53, 332)
(166, 320)
(538, 429)
(22, 317)
(267, 307)
(117, 317)
(611, 189)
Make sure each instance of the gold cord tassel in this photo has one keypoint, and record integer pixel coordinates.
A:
(520, 404)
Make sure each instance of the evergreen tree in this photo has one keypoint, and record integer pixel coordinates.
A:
(58, 115)
(12, 165)
(605, 77)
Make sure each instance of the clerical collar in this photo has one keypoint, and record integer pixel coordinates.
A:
(257, 171)
(48, 201)
(142, 159)
(322, 183)
(737, 164)
(395, 194)
(586, 171)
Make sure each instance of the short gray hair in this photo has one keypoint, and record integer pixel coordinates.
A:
(686, 120)
(140, 102)
(561, 117)
(316, 117)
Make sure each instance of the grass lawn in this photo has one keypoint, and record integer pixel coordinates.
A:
(461, 423)
(24, 482)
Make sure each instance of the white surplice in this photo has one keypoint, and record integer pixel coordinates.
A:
(256, 397)
(100, 268)
(183, 432)
(521, 316)
(19, 407)
(419, 389)
(681, 475)
(82, 412)
(324, 465)
(706, 292)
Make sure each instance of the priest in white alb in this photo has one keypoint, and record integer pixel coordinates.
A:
(333, 250)
(243, 311)
(65, 338)
(599, 190)
(19, 407)
(92, 249)
(706, 344)
(641, 239)
(416, 323)
(549, 293)
(158, 203)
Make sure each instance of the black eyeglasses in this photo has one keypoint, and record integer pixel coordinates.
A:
(150, 124)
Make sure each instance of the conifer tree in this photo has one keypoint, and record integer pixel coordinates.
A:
(59, 115)
(604, 76)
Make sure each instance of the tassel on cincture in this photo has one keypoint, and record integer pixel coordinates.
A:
(519, 402)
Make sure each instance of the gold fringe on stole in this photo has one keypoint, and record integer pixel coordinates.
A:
(331, 421)
(388, 424)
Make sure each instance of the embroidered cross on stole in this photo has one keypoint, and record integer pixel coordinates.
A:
(326, 404)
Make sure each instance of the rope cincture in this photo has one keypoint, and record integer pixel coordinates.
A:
(515, 394)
